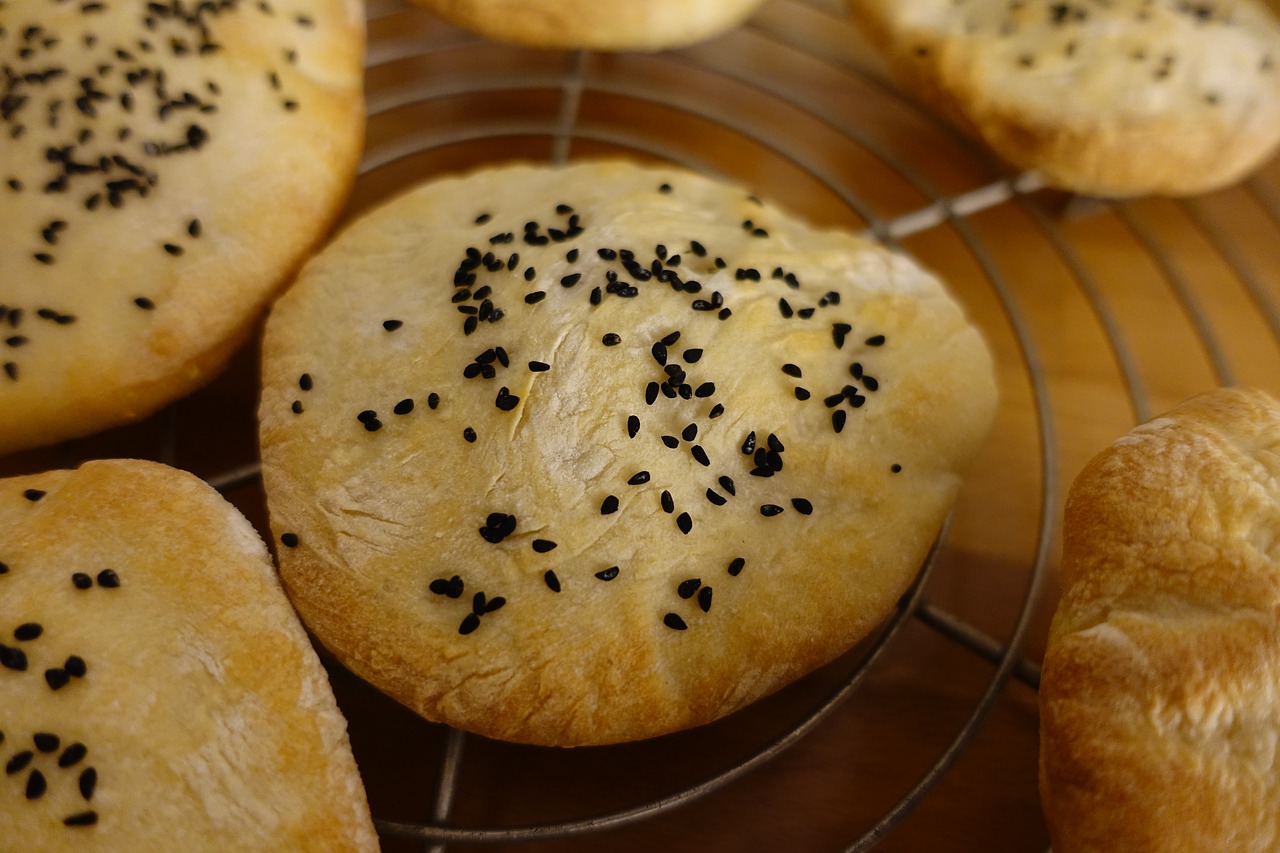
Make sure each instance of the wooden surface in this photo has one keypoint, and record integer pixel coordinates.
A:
(1099, 315)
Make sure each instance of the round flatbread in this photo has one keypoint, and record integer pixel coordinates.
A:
(164, 168)
(156, 690)
(584, 455)
(615, 25)
(1131, 97)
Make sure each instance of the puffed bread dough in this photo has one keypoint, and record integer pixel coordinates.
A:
(1131, 97)
(387, 505)
(131, 268)
(1160, 712)
(611, 25)
(202, 709)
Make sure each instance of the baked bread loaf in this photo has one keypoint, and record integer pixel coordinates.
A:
(612, 25)
(1159, 707)
(584, 455)
(156, 690)
(1123, 98)
(164, 168)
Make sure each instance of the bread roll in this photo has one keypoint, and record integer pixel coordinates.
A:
(584, 455)
(156, 690)
(1160, 711)
(611, 25)
(1122, 98)
(164, 168)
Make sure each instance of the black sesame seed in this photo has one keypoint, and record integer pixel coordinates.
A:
(833, 400)
(108, 579)
(838, 333)
(674, 622)
(433, 400)
(651, 393)
(81, 580)
(607, 574)
(88, 818)
(88, 781)
(690, 432)
(296, 407)
(469, 623)
(704, 599)
(749, 443)
(775, 443)
(716, 411)
(895, 468)
(530, 273)
(633, 426)
(33, 495)
(736, 566)
(792, 370)
(144, 303)
(46, 742)
(19, 762)
(571, 279)
(392, 325)
(805, 313)
(609, 506)
(611, 339)
(684, 522)
(875, 341)
(193, 228)
(659, 352)
(483, 218)
(687, 588)
(855, 370)
(802, 506)
(542, 546)
(638, 478)
(607, 254)
(15, 659)
(36, 785)
(289, 540)
(28, 631)
(404, 407)
(716, 498)
(539, 366)
(802, 393)
(838, 418)
(469, 434)
(770, 510)
(56, 678)
(552, 582)
(870, 383)
(700, 455)
(671, 441)
(72, 755)
(173, 249)
(75, 666)
(706, 389)
(664, 188)
(535, 297)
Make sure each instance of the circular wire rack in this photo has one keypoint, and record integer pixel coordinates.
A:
(1099, 314)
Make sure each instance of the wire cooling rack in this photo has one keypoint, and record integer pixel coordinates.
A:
(1100, 314)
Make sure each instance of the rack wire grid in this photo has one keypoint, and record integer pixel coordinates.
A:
(1099, 314)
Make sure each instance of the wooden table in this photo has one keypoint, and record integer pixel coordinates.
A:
(1100, 315)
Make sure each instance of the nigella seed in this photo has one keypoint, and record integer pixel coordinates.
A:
(296, 408)
(716, 411)
(775, 443)
(56, 678)
(668, 503)
(88, 781)
(289, 540)
(784, 308)
(611, 339)
(173, 249)
(609, 506)
(144, 303)
(802, 506)
(704, 599)
(552, 582)
(651, 393)
(638, 478)
(433, 400)
(690, 432)
(706, 389)
(870, 383)
(28, 631)
(46, 742)
(81, 581)
(470, 435)
(392, 325)
(19, 762)
(36, 785)
(735, 567)
(684, 522)
(770, 510)
(671, 620)
(671, 441)
(11, 658)
(108, 578)
(75, 666)
(607, 574)
(659, 352)
(542, 546)
(469, 623)
(855, 370)
(895, 468)
(838, 333)
(716, 498)
(535, 297)
(33, 495)
(571, 279)
(833, 400)
(691, 356)
(506, 401)
(749, 444)
(404, 407)
(687, 588)
(633, 426)
(72, 755)
(539, 367)
(802, 394)
(792, 370)
(670, 339)
(700, 455)
(88, 818)
(875, 341)
(837, 419)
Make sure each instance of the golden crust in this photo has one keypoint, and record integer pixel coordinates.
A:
(1159, 707)
(1118, 99)
(195, 172)
(386, 503)
(613, 25)
(205, 712)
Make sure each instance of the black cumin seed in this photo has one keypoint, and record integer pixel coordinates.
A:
(716, 411)
(784, 307)
(870, 383)
(372, 425)
(838, 333)
(633, 426)
(15, 659)
(470, 622)
(483, 218)
(700, 455)
(609, 506)
(19, 762)
(88, 781)
(638, 478)
(726, 483)
(875, 341)
(88, 818)
(802, 393)
(749, 444)
(833, 400)
(506, 401)
(469, 325)
(56, 678)
(792, 370)
(691, 356)
(81, 580)
(469, 434)
(895, 468)
(571, 279)
(530, 273)
(28, 631)
(33, 495)
(36, 785)
(837, 419)
(775, 443)
(611, 339)
(671, 339)
(659, 352)
(668, 504)
(651, 393)
(392, 325)
(144, 303)
(597, 296)
(289, 540)
(366, 416)
(770, 510)
(671, 441)
(607, 254)
(173, 249)
(855, 370)
(542, 546)
(535, 297)
(704, 599)
(108, 579)
(802, 506)
(687, 588)
(805, 313)
(690, 432)
(674, 622)
(46, 742)
(684, 522)
(75, 666)
(433, 400)
(571, 256)
(664, 188)
(296, 407)
(552, 582)
(716, 498)
(72, 755)
(736, 566)
(193, 228)
(607, 574)
(706, 389)
(404, 407)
